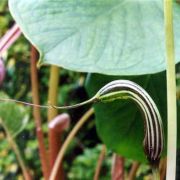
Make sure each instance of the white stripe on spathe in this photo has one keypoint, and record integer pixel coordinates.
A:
(154, 130)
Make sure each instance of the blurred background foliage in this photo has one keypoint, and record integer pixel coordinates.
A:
(17, 85)
(82, 155)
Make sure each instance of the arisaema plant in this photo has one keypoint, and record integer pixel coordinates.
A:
(114, 38)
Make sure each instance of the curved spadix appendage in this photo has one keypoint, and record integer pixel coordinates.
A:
(125, 89)
(92, 100)
(154, 137)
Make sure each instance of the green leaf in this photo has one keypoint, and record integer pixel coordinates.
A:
(120, 124)
(13, 117)
(87, 162)
(112, 37)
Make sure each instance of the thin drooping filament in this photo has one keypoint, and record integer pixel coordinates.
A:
(125, 89)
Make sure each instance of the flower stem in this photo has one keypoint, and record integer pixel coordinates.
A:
(171, 91)
(155, 173)
(53, 91)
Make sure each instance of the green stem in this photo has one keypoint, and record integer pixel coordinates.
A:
(171, 92)
(53, 91)
(15, 148)
(52, 113)
(155, 173)
(25, 171)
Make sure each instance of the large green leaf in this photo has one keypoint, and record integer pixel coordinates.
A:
(116, 37)
(13, 117)
(120, 124)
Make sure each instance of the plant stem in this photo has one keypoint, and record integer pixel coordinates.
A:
(9, 38)
(37, 114)
(155, 173)
(162, 168)
(171, 92)
(99, 163)
(15, 148)
(133, 170)
(56, 129)
(53, 91)
(117, 168)
(52, 113)
(71, 135)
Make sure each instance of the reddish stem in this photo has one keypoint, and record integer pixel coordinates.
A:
(117, 168)
(37, 115)
(134, 168)
(9, 38)
(99, 163)
(56, 128)
(162, 168)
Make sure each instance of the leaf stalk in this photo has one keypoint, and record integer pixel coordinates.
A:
(171, 91)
